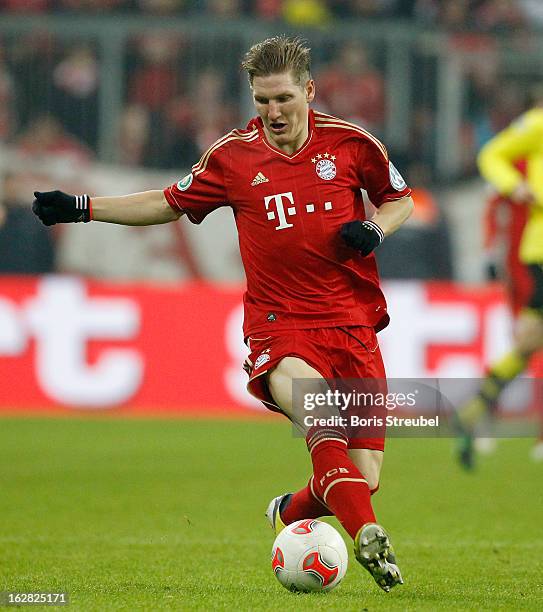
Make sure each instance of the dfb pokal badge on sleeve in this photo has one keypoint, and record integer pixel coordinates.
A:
(185, 182)
(396, 179)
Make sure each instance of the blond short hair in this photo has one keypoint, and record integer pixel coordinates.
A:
(277, 55)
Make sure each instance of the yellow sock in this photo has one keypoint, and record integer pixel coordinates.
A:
(472, 412)
(500, 374)
(509, 366)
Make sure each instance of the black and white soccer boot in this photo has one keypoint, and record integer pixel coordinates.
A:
(273, 513)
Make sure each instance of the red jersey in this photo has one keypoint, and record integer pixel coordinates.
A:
(289, 210)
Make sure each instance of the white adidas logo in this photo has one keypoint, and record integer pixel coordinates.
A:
(259, 178)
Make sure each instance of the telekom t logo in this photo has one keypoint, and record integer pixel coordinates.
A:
(278, 199)
(281, 213)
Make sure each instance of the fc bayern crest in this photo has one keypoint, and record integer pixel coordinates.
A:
(261, 360)
(326, 169)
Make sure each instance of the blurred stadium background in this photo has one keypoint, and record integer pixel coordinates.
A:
(116, 96)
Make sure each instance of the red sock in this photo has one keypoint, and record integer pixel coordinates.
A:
(338, 482)
(304, 504)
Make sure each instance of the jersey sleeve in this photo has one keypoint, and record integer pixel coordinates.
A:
(377, 174)
(200, 192)
(497, 158)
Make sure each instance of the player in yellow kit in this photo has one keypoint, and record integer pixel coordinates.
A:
(498, 161)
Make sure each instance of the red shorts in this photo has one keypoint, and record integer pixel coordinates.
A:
(335, 352)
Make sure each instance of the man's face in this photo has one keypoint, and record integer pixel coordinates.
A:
(283, 106)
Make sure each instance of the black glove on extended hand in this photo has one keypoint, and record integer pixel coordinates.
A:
(364, 236)
(59, 207)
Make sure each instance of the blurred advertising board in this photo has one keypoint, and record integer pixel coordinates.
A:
(69, 344)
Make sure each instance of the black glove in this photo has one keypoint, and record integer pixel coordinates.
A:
(59, 207)
(364, 236)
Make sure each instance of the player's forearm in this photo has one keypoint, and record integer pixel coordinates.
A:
(145, 208)
(391, 215)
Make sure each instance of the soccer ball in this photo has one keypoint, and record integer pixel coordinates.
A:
(308, 556)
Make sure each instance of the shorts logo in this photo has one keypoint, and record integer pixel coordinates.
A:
(185, 183)
(396, 179)
(261, 360)
(326, 169)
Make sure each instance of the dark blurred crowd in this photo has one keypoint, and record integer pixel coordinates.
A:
(179, 94)
(490, 15)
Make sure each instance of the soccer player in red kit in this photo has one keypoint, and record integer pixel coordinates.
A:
(313, 303)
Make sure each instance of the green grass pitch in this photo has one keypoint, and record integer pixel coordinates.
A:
(168, 515)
